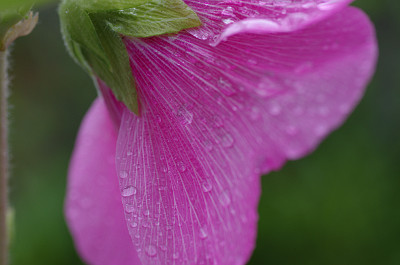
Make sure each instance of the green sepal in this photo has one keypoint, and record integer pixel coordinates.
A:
(15, 21)
(7, 4)
(92, 31)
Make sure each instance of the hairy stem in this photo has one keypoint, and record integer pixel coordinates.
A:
(4, 166)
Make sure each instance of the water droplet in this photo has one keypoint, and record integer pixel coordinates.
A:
(252, 61)
(249, 12)
(225, 198)
(323, 111)
(151, 251)
(226, 88)
(206, 186)
(292, 130)
(134, 224)
(208, 145)
(275, 109)
(208, 76)
(123, 174)
(321, 130)
(199, 64)
(228, 21)
(129, 208)
(146, 212)
(344, 108)
(229, 11)
(227, 140)
(304, 67)
(218, 121)
(203, 233)
(308, 5)
(255, 113)
(181, 166)
(327, 5)
(185, 117)
(268, 87)
(163, 248)
(129, 191)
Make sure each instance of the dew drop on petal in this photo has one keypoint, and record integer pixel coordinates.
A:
(130, 208)
(184, 115)
(304, 67)
(267, 87)
(203, 233)
(151, 251)
(208, 145)
(227, 140)
(255, 113)
(123, 174)
(181, 166)
(275, 109)
(226, 87)
(228, 21)
(327, 5)
(129, 191)
(225, 198)
(206, 186)
(292, 130)
(229, 11)
(252, 61)
(321, 130)
(218, 122)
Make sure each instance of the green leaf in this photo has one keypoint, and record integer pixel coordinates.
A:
(92, 30)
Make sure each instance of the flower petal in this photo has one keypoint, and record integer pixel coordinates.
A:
(93, 205)
(185, 203)
(258, 16)
(214, 118)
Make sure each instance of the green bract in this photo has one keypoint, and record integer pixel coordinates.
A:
(92, 31)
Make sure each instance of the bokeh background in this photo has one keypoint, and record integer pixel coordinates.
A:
(338, 206)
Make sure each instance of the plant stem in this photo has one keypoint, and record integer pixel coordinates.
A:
(4, 160)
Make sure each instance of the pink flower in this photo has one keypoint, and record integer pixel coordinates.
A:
(259, 83)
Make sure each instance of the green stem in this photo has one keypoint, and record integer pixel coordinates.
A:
(4, 160)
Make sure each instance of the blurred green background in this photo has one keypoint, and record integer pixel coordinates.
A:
(338, 206)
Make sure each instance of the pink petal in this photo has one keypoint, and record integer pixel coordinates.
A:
(264, 16)
(93, 204)
(214, 118)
